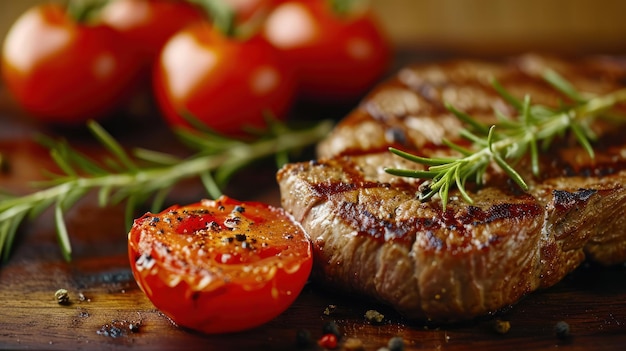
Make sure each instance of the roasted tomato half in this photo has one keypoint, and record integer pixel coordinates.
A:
(220, 266)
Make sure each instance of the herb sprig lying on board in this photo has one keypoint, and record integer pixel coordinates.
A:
(145, 175)
(510, 139)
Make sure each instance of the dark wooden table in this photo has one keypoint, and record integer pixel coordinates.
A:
(105, 300)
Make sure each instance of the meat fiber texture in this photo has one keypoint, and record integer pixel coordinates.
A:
(372, 235)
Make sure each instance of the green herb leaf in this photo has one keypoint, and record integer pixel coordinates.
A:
(510, 139)
(135, 178)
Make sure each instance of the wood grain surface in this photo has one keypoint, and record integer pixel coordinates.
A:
(107, 311)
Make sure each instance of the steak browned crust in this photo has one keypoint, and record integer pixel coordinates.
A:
(372, 236)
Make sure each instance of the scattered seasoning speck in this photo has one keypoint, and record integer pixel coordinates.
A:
(303, 338)
(134, 327)
(83, 298)
(330, 309)
(331, 328)
(240, 237)
(119, 328)
(374, 316)
(396, 344)
(110, 330)
(562, 330)
(62, 297)
(83, 314)
(501, 327)
(353, 344)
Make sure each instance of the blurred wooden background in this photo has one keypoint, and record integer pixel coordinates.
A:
(481, 26)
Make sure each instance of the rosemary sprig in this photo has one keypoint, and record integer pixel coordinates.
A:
(510, 139)
(142, 176)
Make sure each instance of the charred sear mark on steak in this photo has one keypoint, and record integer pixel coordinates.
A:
(372, 235)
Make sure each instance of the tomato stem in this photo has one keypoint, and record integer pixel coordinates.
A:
(83, 10)
(221, 14)
(346, 7)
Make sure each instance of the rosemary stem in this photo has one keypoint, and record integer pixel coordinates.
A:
(170, 174)
(552, 126)
(511, 140)
(135, 181)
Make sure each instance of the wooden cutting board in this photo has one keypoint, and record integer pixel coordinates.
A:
(108, 311)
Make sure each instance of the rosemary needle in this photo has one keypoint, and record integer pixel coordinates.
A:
(510, 139)
(121, 177)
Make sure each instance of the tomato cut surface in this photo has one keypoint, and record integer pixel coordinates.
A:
(220, 266)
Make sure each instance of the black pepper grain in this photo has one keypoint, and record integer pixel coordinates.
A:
(396, 344)
(562, 330)
(133, 327)
(240, 237)
(214, 226)
(331, 327)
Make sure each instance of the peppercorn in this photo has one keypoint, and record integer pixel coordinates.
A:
(62, 296)
(134, 327)
(331, 328)
(396, 344)
(562, 330)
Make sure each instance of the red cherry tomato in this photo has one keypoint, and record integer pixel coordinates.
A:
(220, 266)
(228, 84)
(149, 23)
(338, 57)
(62, 71)
(249, 10)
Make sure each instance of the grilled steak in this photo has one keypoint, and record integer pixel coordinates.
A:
(373, 236)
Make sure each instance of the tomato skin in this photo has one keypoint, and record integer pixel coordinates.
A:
(226, 83)
(247, 11)
(337, 57)
(183, 269)
(148, 24)
(63, 72)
